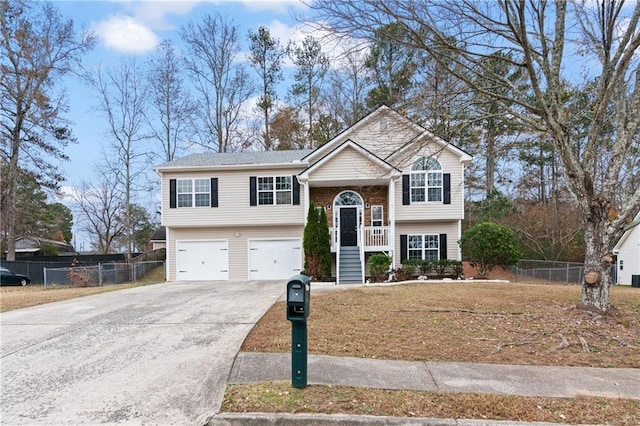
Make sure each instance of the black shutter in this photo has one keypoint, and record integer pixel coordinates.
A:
(214, 192)
(406, 190)
(443, 246)
(446, 188)
(253, 191)
(404, 253)
(172, 194)
(296, 190)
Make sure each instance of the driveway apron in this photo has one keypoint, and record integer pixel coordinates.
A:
(159, 354)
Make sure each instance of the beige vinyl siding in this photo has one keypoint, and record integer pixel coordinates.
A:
(238, 246)
(384, 135)
(347, 164)
(449, 228)
(233, 202)
(434, 210)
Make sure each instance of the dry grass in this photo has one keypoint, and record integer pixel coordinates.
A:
(32, 295)
(510, 323)
(500, 323)
(280, 397)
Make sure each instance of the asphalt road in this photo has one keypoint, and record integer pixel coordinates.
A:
(159, 354)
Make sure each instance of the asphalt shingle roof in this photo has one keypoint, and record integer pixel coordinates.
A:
(237, 158)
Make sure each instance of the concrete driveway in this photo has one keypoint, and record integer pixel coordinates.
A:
(159, 354)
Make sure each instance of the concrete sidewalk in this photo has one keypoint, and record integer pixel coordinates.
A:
(457, 377)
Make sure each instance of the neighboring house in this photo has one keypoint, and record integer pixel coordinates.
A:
(627, 251)
(159, 239)
(387, 185)
(34, 246)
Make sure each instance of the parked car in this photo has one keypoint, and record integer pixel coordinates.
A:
(8, 277)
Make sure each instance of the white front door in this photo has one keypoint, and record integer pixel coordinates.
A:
(202, 260)
(274, 259)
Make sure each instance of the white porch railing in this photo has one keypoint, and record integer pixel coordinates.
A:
(373, 238)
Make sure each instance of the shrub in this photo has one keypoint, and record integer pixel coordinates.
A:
(378, 267)
(317, 244)
(487, 245)
(404, 273)
(425, 267)
(456, 267)
(441, 266)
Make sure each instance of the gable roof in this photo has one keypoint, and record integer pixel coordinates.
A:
(355, 146)
(375, 115)
(636, 225)
(227, 159)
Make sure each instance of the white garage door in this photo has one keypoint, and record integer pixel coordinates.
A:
(202, 260)
(274, 259)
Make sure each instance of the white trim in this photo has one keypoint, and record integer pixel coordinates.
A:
(279, 166)
(168, 255)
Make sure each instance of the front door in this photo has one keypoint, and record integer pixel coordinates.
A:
(348, 226)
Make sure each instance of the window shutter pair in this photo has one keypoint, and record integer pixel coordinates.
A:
(404, 248)
(173, 193)
(253, 190)
(446, 189)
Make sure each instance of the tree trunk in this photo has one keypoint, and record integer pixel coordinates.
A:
(597, 262)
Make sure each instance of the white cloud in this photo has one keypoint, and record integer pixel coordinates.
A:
(274, 6)
(154, 14)
(125, 34)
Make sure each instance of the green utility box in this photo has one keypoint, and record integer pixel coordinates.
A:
(298, 290)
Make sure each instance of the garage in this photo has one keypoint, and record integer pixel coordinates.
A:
(274, 259)
(202, 260)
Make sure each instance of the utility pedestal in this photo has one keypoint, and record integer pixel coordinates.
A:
(298, 289)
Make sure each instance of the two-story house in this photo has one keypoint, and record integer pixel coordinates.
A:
(387, 185)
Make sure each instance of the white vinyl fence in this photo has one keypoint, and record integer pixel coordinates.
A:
(98, 275)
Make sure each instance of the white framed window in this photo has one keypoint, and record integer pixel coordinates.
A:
(423, 247)
(194, 192)
(426, 180)
(275, 190)
(377, 219)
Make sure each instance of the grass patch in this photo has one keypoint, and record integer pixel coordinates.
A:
(22, 297)
(279, 397)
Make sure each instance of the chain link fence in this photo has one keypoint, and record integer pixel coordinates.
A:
(98, 275)
(567, 272)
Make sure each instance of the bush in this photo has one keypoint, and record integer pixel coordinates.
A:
(378, 267)
(487, 245)
(404, 273)
(317, 245)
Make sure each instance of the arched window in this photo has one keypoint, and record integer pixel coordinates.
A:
(348, 198)
(426, 180)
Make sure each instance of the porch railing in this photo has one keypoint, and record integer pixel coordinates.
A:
(372, 237)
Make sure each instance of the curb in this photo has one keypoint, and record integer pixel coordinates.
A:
(280, 419)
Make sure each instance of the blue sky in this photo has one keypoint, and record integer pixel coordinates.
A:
(132, 29)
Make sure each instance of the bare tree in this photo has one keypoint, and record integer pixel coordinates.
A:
(99, 208)
(37, 47)
(347, 89)
(170, 108)
(219, 77)
(123, 98)
(540, 38)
